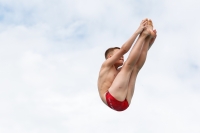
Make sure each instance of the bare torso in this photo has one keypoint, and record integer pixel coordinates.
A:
(105, 79)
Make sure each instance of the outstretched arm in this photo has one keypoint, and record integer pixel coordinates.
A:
(127, 45)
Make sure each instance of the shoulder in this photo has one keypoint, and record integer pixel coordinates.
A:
(106, 63)
(105, 67)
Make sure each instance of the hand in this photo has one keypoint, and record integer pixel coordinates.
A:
(143, 26)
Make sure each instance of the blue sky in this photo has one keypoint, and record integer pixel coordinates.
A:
(51, 52)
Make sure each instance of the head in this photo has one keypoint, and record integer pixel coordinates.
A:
(110, 52)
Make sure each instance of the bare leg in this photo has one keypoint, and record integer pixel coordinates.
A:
(119, 87)
(148, 43)
(136, 70)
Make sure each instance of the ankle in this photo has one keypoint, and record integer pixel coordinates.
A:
(146, 33)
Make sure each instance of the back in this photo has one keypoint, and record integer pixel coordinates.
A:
(106, 76)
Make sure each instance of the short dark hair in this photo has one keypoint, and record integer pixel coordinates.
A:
(110, 50)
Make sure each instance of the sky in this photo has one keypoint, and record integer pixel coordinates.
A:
(50, 56)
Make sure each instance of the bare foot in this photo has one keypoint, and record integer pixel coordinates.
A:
(146, 32)
(150, 27)
(153, 33)
(153, 38)
(150, 24)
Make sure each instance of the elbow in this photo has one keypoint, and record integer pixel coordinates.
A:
(124, 50)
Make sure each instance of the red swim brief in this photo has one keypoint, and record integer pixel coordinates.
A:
(115, 104)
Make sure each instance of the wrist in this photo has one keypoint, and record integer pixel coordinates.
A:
(137, 32)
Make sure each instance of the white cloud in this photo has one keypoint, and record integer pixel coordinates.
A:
(51, 53)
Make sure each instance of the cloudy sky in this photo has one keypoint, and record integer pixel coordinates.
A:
(51, 52)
